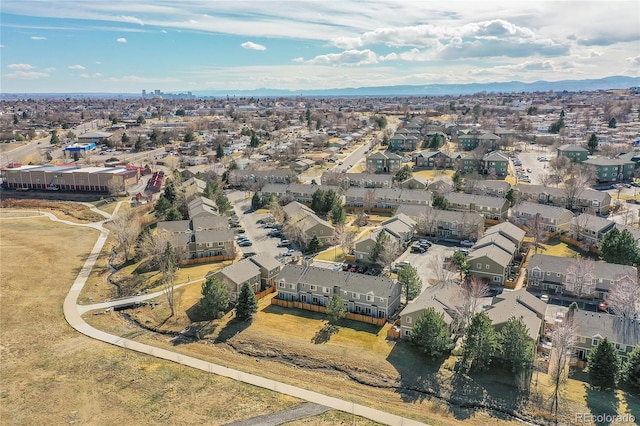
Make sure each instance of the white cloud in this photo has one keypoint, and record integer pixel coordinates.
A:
(20, 67)
(298, 59)
(94, 75)
(50, 69)
(413, 55)
(348, 57)
(137, 79)
(132, 19)
(163, 31)
(26, 75)
(76, 67)
(38, 38)
(635, 60)
(121, 40)
(98, 62)
(253, 46)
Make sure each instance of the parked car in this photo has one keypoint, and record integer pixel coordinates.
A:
(466, 243)
(345, 266)
(463, 251)
(529, 170)
(245, 243)
(284, 243)
(240, 230)
(425, 243)
(337, 266)
(417, 248)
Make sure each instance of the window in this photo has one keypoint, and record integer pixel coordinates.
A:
(326, 289)
(406, 332)
(487, 266)
(408, 320)
(583, 340)
(497, 279)
(355, 295)
(594, 342)
(479, 266)
(312, 287)
(369, 298)
(281, 284)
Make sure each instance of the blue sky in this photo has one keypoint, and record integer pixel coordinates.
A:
(180, 45)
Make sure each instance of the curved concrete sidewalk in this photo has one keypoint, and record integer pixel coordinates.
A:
(73, 316)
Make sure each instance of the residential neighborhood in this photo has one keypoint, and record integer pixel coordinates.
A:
(376, 219)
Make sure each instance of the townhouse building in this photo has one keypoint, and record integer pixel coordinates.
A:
(586, 200)
(362, 180)
(573, 152)
(547, 218)
(384, 199)
(552, 274)
(494, 208)
(445, 224)
(592, 327)
(301, 193)
(612, 169)
(383, 162)
(378, 297)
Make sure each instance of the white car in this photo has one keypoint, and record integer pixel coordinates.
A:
(466, 243)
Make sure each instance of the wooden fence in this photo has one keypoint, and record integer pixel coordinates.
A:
(322, 309)
(264, 293)
(206, 259)
(581, 246)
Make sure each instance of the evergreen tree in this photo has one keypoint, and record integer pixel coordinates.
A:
(619, 247)
(173, 214)
(480, 343)
(215, 298)
(404, 173)
(431, 334)
(256, 201)
(125, 139)
(139, 145)
(410, 280)
(170, 192)
(247, 303)
(603, 364)
(254, 141)
(460, 261)
(439, 202)
(592, 143)
(219, 152)
(613, 123)
(317, 201)
(516, 347)
(336, 309)
(378, 248)
(314, 244)
(55, 139)
(631, 369)
(510, 197)
(338, 214)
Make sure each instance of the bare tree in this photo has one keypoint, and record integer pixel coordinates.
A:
(470, 294)
(169, 262)
(390, 252)
(440, 274)
(577, 178)
(115, 186)
(294, 232)
(535, 229)
(369, 200)
(126, 228)
(152, 246)
(579, 277)
(562, 340)
(276, 210)
(624, 296)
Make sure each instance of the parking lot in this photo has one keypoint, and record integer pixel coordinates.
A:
(255, 232)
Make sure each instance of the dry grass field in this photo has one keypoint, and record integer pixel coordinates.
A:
(50, 374)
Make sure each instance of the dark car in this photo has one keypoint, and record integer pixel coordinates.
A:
(245, 243)
(417, 248)
(353, 268)
(345, 267)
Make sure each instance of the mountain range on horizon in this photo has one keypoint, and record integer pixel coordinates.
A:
(606, 83)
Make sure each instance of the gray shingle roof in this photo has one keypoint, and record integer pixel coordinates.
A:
(240, 272)
(591, 222)
(518, 304)
(348, 281)
(615, 329)
(558, 265)
(508, 230)
(478, 200)
(497, 240)
(492, 252)
(266, 261)
(545, 211)
(444, 298)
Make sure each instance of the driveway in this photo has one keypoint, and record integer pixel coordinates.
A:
(423, 261)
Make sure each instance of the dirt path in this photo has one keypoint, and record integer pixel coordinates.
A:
(302, 411)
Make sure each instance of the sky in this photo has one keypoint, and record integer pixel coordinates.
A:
(63, 46)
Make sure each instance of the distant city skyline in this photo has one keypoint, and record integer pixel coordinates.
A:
(124, 47)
